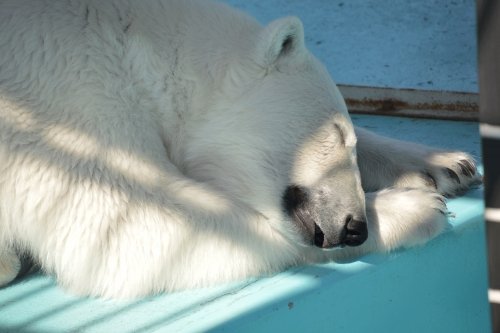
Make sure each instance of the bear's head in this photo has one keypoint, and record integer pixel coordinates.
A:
(280, 138)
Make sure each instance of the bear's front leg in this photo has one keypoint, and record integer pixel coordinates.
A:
(386, 162)
(399, 218)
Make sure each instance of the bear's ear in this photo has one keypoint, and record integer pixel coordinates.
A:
(281, 38)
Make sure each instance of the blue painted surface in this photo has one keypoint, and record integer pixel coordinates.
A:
(440, 287)
(424, 44)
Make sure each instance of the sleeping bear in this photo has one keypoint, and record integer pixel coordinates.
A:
(158, 145)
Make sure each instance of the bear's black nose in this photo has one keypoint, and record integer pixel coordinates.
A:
(355, 232)
(350, 231)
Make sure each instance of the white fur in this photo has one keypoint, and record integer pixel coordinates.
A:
(145, 146)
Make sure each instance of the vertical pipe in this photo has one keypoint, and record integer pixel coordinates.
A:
(489, 84)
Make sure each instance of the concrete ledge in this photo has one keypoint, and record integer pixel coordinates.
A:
(430, 104)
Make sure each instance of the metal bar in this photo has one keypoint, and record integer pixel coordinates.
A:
(489, 83)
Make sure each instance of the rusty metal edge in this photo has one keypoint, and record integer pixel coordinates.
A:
(449, 105)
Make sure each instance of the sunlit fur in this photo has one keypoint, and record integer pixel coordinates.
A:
(145, 147)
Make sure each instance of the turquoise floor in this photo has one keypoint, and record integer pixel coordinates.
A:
(440, 287)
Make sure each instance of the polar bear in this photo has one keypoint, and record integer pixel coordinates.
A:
(158, 145)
